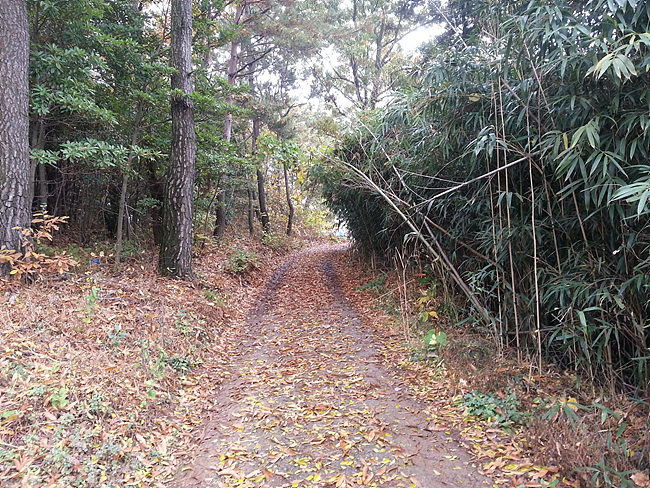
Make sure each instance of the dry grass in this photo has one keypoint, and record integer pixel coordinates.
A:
(104, 374)
(593, 439)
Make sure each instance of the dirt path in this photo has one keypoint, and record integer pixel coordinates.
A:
(310, 403)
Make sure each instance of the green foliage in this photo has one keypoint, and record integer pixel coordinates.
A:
(91, 303)
(98, 404)
(240, 260)
(604, 475)
(214, 297)
(424, 304)
(369, 61)
(502, 411)
(59, 398)
(181, 363)
(522, 159)
(276, 240)
(157, 370)
(566, 408)
(117, 336)
(376, 285)
(434, 342)
(190, 326)
(615, 451)
(279, 151)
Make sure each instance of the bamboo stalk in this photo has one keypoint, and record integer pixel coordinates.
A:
(435, 253)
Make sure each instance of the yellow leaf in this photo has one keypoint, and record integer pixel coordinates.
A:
(571, 403)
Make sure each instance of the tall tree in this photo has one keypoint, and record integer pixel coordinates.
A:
(368, 62)
(268, 41)
(176, 246)
(15, 167)
(232, 72)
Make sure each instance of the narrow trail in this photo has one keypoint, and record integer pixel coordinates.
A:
(310, 403)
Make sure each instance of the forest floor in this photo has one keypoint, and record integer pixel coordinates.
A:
(277, 367)
(311, 400)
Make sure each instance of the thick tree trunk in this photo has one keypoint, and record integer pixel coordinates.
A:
(176, 247)
(16, 170)
(289, 202)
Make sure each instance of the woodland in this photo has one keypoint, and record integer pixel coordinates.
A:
(485, 161)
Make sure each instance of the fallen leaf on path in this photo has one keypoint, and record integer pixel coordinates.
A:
(641, 479)
(230, 472)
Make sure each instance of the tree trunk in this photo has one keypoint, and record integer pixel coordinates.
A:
(220, 221)
(176, 247)
(121, 211)
(157, 192)
(125, 184)
(16, 170)
(251, 211)
(264, 214)
(233, 63)
(261, 190)
(38, 142)
(289, 202)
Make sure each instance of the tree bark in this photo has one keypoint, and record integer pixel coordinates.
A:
(176, 247)
(157, 192)
(38, 142)
(264, 214)
(251, 211)
(261, 190)
(220, 220)
(16, 170)
(289, 202)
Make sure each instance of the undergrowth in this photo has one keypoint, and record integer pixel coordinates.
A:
(241, 260)
(94, 394)
(587, 436)
(104, 375)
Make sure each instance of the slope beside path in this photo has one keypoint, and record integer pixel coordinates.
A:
(310, 402)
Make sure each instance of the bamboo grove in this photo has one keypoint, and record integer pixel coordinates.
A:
(518, 159)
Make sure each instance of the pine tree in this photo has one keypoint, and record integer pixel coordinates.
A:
(176, 247)
(15, 167)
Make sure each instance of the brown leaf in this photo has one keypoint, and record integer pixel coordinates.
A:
(416, 482)
(342, 481)
(23, 462)
(230, 472)
(288, 451)
(641, 479)
(432, 427)
(49, 416)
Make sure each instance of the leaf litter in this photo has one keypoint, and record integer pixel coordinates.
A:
(103, 376)
(116, 380)
(311, 402)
